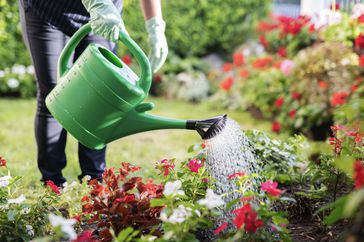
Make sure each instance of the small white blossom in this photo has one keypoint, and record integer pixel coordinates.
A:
(4, 181)
(19, 69)
(178, 215)
(30, 70)
(65, 224)
(13, 83)
(29, 230)
(17, 200)
(198, 213)
(211, 200)
(25, 211)
(152, 238)
(173, 188)
(2, 73)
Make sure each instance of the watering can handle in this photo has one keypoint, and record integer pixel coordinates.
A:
(146, 71)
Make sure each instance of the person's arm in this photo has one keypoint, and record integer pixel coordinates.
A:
(152, 11)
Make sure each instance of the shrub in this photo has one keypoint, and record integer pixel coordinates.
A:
(199, 28)
(17, 81)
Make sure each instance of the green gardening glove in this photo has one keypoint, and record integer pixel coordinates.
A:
(105, 19)
(157, 42)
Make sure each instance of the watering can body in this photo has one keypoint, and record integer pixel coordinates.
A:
(99, 98)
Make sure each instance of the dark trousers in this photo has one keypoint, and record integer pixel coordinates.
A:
(45, 44)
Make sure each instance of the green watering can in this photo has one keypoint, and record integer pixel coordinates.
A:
(99, 98)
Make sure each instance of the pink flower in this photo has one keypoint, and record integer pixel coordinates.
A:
(165, 166)
(271, 188)
(220, 228)
(287, 67)
(236, 174)
(194, 165)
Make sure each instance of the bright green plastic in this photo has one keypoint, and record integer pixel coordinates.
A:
(99, 98)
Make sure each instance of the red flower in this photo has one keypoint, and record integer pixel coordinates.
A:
(77, 217)
(53, 187)
(2, 161)
(282, 52)
(248, 217)
(227, 66)
(279, 102)
(359, 41)
(165, 166)
(361, 19)
(264, 62)
(236, 174)
(296, 96)
(264, 41)
(157, 79)
(194, 165)
(271, 188)
(244, 73)
(354, 88)
(127, 59)
(292, 114)
(266, 27)
(276, 127)
(338, 98)
(238, 59)
(361, 60)
(227, 83)
(359, 174)
(220, 228)
(323, 85)
(337, 6)
(203, 145)
(311, 29)
(86, 236)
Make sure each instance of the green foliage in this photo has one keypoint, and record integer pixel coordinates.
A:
(198, 28)
(17, 81)
(12, 48)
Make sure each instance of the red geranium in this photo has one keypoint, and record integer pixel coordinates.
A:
(236, 174)
(264, 62)
(248, 217)
(361, 18)
(282, 52)
(85, 236)
(338, 98)
(2, 161)
(220, 228)
(244, 73)
(361, 60)
(271, 188)
(276, 127)
(227, 66)
(227, 83)
(264, 41)
(359, 41)
(194, 165)
(323, 85)
(266, 27)
(359, 174)
(292, 114)
(53, 187)
(296, 96)
(127, 60)
(311, 29)
(238, 59)
(279, 102)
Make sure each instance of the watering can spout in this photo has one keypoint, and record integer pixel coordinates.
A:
(138, 121)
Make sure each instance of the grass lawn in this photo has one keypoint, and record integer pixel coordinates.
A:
(17, 143)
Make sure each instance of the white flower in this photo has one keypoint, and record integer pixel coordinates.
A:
(172, 188)
(211, 200)
(25, 211)
(17, 200)
(2, 73)
(30, 70)
(13, 83)
(4, 181)
(65, 224)
(19, 69)
(29, 230)
(179, 215)
(152, 238)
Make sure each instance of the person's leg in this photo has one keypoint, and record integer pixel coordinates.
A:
(45, 45)
(92, 162)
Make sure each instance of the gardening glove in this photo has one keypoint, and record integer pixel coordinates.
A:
(105, 19)
(157, 42)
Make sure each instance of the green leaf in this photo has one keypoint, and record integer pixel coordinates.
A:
(355, 199)
(232, 203)
(345, 164)
(12, 214)
(157, 202)
(278, 220)
(127, 235)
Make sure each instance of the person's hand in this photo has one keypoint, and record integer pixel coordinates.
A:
(157, 42)
(105, 19)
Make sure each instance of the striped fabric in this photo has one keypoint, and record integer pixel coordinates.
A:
(65, 15)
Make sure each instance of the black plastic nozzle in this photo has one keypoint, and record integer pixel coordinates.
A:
(208, 128)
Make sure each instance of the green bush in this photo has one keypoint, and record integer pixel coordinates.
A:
(200, 27)
(12, 48)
